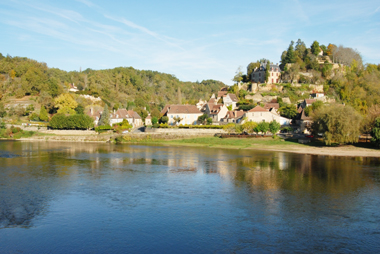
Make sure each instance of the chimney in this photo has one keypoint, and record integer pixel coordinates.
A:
(91, 111)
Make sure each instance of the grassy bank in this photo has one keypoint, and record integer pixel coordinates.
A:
(214, 142)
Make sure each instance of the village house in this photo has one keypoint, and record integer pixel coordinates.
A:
(131, 116)
(258, 74)
(230, 99)
(259, 114)
(186, 114)
(235, 116)
(216, 111)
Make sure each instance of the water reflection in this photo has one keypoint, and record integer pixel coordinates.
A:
(265, 196)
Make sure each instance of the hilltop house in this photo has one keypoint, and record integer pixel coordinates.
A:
(188, 114)
(259, 114)
(258, 74)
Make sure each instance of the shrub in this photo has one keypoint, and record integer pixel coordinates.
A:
(72, 122)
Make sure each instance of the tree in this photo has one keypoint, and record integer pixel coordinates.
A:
(65, 104)
(3, 112)
(264, 127)
(288, 111)
(229, 128)
(267, 71)
(238, 75)
(154, 120)
(249, 127)
(315, 49)
(164, 119)
(375, 132)
(105, 117)
(44, 114)
(338, 123)
(79, 110)
(274, 127)
(203, 118)
(290, 55)
(251, 67)
(177, 119)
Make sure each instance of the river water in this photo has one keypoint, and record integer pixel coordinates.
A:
(104, 198)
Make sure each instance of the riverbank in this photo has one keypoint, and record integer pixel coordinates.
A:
(268, 144)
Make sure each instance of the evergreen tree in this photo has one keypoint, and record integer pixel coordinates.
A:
(44, 114)
(105, 117)
(315, 49)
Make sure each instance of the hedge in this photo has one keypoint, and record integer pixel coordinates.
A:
(72, 122)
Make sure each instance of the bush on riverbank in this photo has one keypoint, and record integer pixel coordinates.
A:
(71, 122)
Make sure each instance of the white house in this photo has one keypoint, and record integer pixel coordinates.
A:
(259, 114)
(131, 116)
(230, 99)
(188, 114)
(233, 116)
(216, 112)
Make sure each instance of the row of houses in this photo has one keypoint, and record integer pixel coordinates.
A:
(188, 114)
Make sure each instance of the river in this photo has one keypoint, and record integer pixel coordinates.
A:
(104, 198)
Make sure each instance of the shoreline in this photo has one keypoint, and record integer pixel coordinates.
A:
(211, 142)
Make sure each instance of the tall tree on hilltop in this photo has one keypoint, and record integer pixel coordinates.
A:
(315, 49)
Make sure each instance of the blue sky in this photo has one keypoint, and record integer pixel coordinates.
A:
(194, 40)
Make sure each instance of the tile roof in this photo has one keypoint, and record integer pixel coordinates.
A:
(310, 101)
(258, 109)
(272, 105)
(233, 97)
(134, 114)
(222, 93)
(234, 114)
(120, 114)
(183, 109)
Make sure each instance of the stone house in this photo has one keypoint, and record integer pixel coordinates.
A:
(131, 116)
(187, 113)
(258, 74)
(216, 111)
(235, 116)
(259, 114)
(94, 114)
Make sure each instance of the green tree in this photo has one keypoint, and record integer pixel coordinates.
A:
(105, 117)
(203, 118)
(79, 110)
(251, 67)
(44, 114)
(274, 127)
(375, 132)
(315, 49)
(164, 119)
(154, 120)
(288, 111)
(3, 112)
(338, 123)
